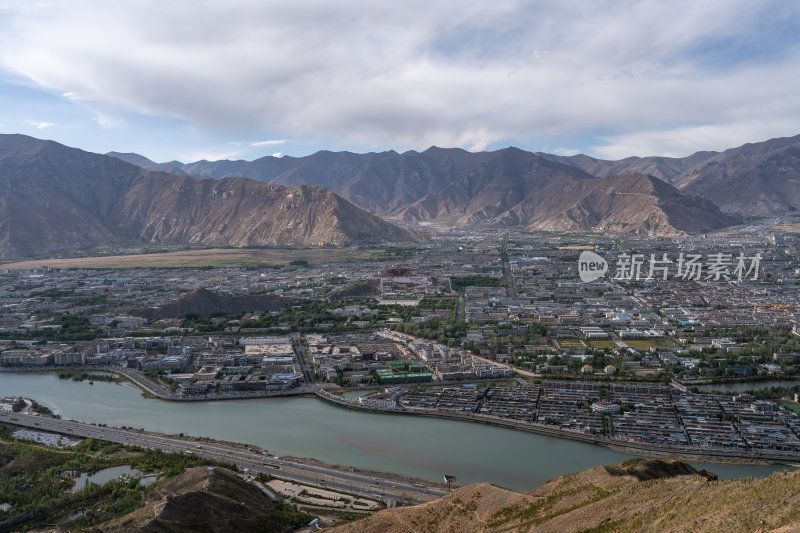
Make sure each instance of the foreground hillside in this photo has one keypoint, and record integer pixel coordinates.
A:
(40, 493)
(637, 495)
(203, 500)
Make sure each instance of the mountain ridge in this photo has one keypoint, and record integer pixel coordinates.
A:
(755, 179)
(209, 499)
(511, 188)
(58, 198)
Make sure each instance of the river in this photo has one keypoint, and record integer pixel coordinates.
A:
(750, 385)
(311, 427)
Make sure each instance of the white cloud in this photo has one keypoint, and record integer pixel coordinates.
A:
(209, 155)
(479, 146)
(267, 143)
(683, 141)
(422, 73)
(75, 96)
(566, 151)
(39, 125)
(109, 121)
(277, 154)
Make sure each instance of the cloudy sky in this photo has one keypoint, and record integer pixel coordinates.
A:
(247, 78)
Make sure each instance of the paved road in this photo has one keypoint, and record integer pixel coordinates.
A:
(303, 357)
(511, 287)
(460, 309)
(361, 484)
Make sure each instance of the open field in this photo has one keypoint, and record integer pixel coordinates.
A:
(789, 228)
(642, 345)
(215, 257)
(653, 342)
(603, 344)
(791, 406)
(571, 343)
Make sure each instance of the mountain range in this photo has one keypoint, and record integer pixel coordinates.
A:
(759, 179)
(505, 188)
(55, 198)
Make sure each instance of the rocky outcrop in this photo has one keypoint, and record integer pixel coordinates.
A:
(202, 302)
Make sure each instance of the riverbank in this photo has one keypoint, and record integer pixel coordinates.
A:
(711, 455)
(311, 427)
(716, 455)
(157, 390)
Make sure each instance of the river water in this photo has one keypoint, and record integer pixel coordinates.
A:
(751, 385)
(310, 427)
(107, 474)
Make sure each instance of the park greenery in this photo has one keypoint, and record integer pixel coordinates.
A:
(37, 482)
(83, 376)
(314, 316)
(67, 327)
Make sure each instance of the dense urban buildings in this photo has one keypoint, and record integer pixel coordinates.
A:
(474, 307)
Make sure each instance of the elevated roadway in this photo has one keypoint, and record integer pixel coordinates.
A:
(367, 485)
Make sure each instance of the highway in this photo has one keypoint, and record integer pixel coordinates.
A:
(388, 490)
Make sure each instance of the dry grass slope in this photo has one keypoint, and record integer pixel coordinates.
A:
(598, 501)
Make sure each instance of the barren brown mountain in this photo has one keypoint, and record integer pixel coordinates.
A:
(754, 179)
(626, 204)
(508, 187)
(56, 198)
(759, 179)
